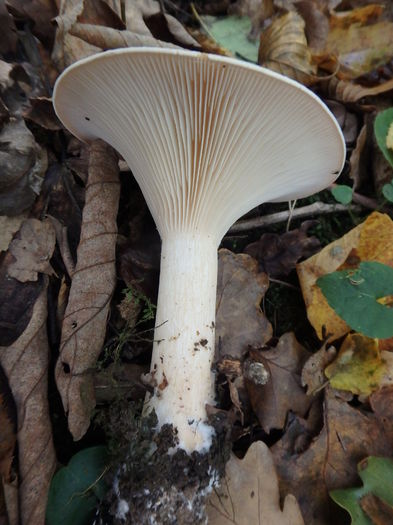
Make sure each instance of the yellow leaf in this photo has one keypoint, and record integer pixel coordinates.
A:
(359, 367)
(283, 48)
(370, 241)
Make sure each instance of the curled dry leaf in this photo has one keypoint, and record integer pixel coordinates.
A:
(23, 164)
(278, 254)
(348, 435)
(25, 363)
(8, 227)
(32, 249)
(249, 493)
(283, 392)
(346, 91)
(283, 48)
(240, 288)
(84, 324)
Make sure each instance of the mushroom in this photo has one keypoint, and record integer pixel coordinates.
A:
(207, 138)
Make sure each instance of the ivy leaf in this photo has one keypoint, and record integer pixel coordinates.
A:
(342, 193)
(387, 191)
(76, 489)
(377, 476)
(381, 127)
(354, 294)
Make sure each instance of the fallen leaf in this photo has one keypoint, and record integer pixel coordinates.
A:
(240, 288)
(315, 17)
(283, 392)
(357, 161)
(41, 112)
(7, 429)
(8, 227)
(348, 121)
(84, 324)
(346, 91)
(358, 367)
(23, 164)
(371, 241)
(381, 402)
(8, 35)
(278, 254)
(374, 498)
(249, 493)
(40, 13)
(32, 249)
(313, 376)
(25, 364)
(361, 15)
(283, 48)
(348, 435)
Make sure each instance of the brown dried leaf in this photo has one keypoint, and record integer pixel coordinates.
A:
(40, 12)
(330, 462)
(249, 493)
(23, 164)
(84, 324)
(41, 112)
(346, 91)
(313, 376)
(278, 254)
(240, 288)
(283, 48)
(25, 363)
(315, 17)
(381, 402)
(356, 160)
(7, 429)
(32, 249)
(8, 227)
(283, 392)
(8, 34)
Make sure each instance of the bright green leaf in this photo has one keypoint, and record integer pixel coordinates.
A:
(387, 190)
(76, 489)
(377, 476)
(353, 295)
(381, 127)
(232, 33)
(342, 193)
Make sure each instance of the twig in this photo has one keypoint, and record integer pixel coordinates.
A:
(317, 208)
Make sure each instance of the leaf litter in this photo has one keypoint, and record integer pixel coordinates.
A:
(305, 408)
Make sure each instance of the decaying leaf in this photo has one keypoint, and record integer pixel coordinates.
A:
(249, 493)
(8, 227)
(25, 363)
(283, 392)
(283, 48)
(32, 249)
(278, 254)
(23, 164)
(84, 324)
(356, 160)
(370, 241)
(240, 288)
(359, 366)
(7, 429)
(313, 370)
(348, 435)
(346, 91)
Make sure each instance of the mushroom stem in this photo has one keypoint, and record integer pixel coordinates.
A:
(183, 350)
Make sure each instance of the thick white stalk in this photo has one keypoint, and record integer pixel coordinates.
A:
(183, 350)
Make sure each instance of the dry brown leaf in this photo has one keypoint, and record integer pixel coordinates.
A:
(370, 241)
(84, 324)
(381, 402)
(283, 392)
(315, 17)
(346, 91)
(32, 249)
(278, 254)
(41, 112)
(8, 227)
(361, 15)
(249, 493)
(145, 17)
(25, 363)
(379, 512)
(330, 462)
(23, 164)
(109, 38)
(357, 167)
(313, 376)
(7, 429)
(283, 48)
(40, 12)
(8, 34)
(240, 288)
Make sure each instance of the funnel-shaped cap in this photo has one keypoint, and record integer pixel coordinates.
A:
(207, 137)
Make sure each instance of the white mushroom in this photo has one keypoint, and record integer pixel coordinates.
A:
(207, 138)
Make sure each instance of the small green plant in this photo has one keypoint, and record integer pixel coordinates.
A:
(342, 193)
(139, 298)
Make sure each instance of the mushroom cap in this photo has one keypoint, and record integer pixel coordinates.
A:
(207, 137)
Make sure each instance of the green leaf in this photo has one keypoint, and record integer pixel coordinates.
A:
(377, 476)
(387, 191)
(232, 32)
(76, 489)
(353, 295)
(342, 193)
(381, 127)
